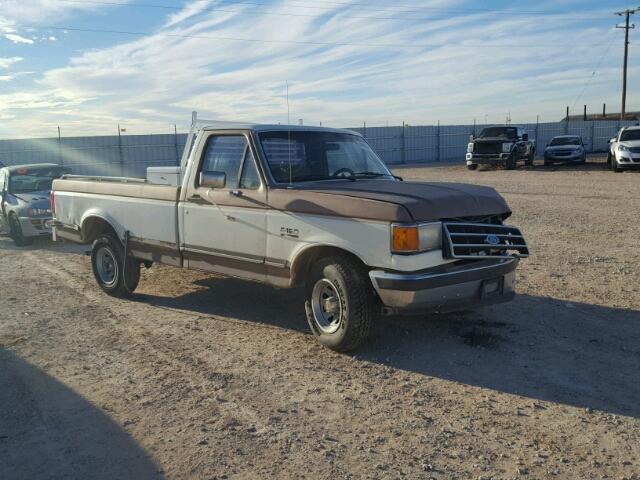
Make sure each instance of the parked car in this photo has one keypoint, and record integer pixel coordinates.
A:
(565, 148)
(500, 145)
(624, 149)
(299, 206)
(24, 197)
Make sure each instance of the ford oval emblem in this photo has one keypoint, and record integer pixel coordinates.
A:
(492, 240)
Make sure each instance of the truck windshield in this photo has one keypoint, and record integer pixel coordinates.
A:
(564, 141)
(36, 180)
(499, 132)
(299, 156)
(629, 135)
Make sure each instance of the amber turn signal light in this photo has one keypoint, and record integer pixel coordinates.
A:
(405, 239)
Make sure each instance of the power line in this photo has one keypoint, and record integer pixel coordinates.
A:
(593, 74)
(324, 9)
(294, 42)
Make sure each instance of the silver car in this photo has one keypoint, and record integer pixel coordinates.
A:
(24, 200)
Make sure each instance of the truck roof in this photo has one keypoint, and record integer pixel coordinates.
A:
(259, 127)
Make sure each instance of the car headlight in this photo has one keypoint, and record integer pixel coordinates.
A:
(38, 212)
(506, 147)
(470, 148)
(623, 148)
(416, 238)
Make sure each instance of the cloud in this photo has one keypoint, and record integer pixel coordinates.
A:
(7, 62)
(443, 67)
(15, 38)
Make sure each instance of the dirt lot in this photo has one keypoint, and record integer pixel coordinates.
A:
(203, 377)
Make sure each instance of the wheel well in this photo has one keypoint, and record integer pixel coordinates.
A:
(93, 227)
(303, 263)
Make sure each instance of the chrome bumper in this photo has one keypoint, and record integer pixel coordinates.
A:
(486, 159)
(449, 288)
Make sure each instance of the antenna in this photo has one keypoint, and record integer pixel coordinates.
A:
(289, 135)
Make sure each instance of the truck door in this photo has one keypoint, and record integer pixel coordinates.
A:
(224, 229)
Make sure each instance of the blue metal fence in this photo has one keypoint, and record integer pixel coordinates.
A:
(130, 155)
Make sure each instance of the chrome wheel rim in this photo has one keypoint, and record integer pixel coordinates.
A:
(327, 306)
(106, 266)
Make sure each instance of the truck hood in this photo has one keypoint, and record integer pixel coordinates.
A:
(563, 147)
(493, 140)
(630, 143)
(391, 200)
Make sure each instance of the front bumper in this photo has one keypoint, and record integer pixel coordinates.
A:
(628, 159)
(486, 159)
(449, 288)
(35, 226)
(563, 158)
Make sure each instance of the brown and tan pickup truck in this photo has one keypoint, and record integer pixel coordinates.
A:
(299, 206)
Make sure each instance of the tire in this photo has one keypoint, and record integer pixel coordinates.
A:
(510, 164)
(473, 166)
(530, 158)
(107, 263)
(341, 284)
(614, 165)
(15, 232)
(609, 158)
(547, 163)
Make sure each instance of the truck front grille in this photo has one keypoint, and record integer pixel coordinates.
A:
(487, 148)
(473, 240)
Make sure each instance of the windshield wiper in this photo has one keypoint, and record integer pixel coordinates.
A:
(311, 178)
(377, 174)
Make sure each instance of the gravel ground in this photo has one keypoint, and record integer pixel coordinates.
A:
(205, 377)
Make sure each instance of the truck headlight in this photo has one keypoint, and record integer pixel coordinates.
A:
(623, 148)
(38, 212)
(470, 148)
(506, 147)
(416, 238)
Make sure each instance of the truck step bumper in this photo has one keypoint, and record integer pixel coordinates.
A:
(452, 288)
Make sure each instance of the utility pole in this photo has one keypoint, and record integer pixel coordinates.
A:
(627, 14)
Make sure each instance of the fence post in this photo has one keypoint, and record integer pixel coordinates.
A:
(364, 127)
(537, 128)
(175, 138)
(60, 158)
(120, 156)
(438, 142)
(404, 144)
(593, 136)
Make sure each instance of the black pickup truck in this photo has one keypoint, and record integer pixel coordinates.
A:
(501, 145)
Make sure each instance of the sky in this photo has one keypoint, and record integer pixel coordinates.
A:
(89, 66)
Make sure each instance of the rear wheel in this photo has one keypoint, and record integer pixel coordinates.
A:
(510, 164)
(16, 234)
(108, 264)
(530, 158)
(340, 303)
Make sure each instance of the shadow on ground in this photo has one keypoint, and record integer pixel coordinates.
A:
(42, 243)
(538, 347)
(48, 431)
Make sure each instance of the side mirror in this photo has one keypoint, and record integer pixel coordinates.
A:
(612, 140)
(213, 179)
(525, 137)
(472, 137)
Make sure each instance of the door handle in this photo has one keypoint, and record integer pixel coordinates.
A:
(235, 193)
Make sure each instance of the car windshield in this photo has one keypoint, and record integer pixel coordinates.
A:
(298, 156)
(630, 135)
(499, 132)
(27, 180)
(565, 141)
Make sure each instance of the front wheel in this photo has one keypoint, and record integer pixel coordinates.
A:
(614, 165)
(472, 166)
(108, 264)
(340, 303)
(530, 158)
(16, 234)
(511, 162)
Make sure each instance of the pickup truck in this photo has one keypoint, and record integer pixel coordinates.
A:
(624, 149)
(298, 206)
(500, 145)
